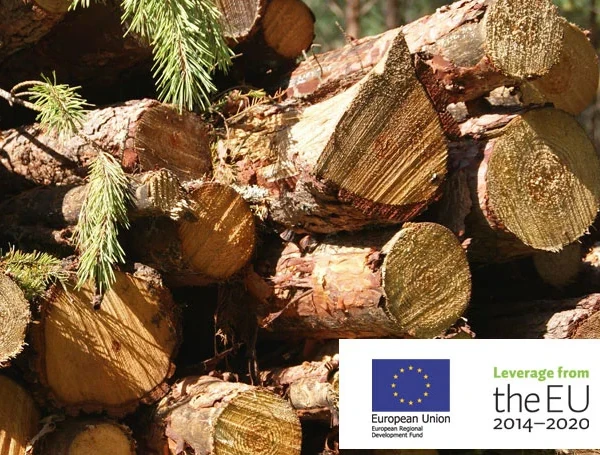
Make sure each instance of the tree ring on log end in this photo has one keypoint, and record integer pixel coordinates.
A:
(109, 359)
(388, 147)
(275, 428)
(14, 318)
(103, 438)
(426, 279)
(543, 179)
(288, 27)
(221, 241)
(523, 38)
(571, 84)
(239, 19)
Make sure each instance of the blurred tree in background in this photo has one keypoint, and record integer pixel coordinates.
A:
(339, 20)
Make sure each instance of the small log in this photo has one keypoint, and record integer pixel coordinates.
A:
(533, 181)
(372, 154)
(559, 269)
(557, 319)
(469, 47)
(86, 436)
(240, 19)
(19, 418)
(141, 134)
(14, 319)
(210, 416)
(312, 388)
(108, 359)
(413, 282)
(217, 242)
(571, 83)
(23, 23)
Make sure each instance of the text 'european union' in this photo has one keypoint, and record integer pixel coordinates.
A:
(411, 385)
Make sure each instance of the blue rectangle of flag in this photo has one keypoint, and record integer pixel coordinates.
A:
(411, 385)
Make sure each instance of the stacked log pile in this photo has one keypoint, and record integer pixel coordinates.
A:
(371, 195)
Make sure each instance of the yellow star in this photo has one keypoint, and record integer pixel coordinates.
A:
(426, 394)
(419, 400)
(419, 370)
(395, 376)
(425, 376)
(401, 370)
(426, 385)
(401, 400)
(395, 394)
(410, 403)
(394, 385)
(410, 367)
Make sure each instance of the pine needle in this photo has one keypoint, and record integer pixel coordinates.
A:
(187, 45)
(32, 272)
(103, 213)
(60, 108)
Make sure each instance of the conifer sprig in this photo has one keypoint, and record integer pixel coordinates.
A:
(60, 108)
(103, 213)
(33, 272)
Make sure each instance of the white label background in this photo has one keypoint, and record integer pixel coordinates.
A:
(472, 383)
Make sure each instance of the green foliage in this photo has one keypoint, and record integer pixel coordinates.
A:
(33, 272)
(187, 44)
(61, 108)
(103, 213)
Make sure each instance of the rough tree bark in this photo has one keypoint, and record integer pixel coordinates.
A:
(19, 418)
(14, 319)
(142, 134)
(531, 184)
(23, 23)
(108, 359)
(413, 282)
(466, 49)
(86, 436)
(567, 318)
(208, 415)
(374, 153)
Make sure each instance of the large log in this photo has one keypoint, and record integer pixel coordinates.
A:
(19, 418)
(23, 23)
(557, 319)
(86, 436)
(413, 282)
(373, 153)
(210, 416)
(470, 47)
(531, 181)
(112, 358)
(142, 134)
(195, 237)
(14, 318)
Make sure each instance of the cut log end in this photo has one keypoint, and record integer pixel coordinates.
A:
(274, 428)
(108, 359)
(222, 239)
(14, 319)
(239, 19)
(543, 179)
(183, 135)
(288, 27)
(88, 436)
(571, 84)
(426, 279)
(523, 39)
(19, 418)
(388, 147)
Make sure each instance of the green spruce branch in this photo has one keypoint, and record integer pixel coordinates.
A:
(187, 44)
(103, 214)
(33, 272)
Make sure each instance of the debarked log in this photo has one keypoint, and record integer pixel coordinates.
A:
(414, 282)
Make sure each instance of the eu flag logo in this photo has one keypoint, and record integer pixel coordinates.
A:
(411, 385)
